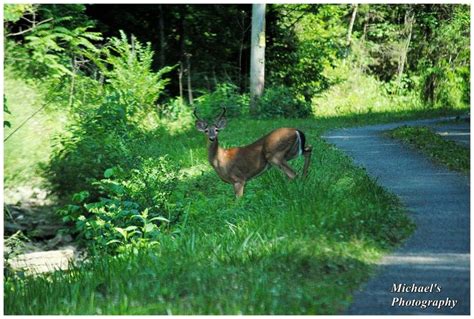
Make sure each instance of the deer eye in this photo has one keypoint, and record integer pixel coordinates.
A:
(206, 130)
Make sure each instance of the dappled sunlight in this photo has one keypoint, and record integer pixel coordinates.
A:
(429, 260)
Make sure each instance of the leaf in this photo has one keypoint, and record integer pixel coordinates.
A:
(122, 232)
(113, 241)
(109, 172)
(159, 218)
(80, 197)
(139, 217)
(130, 228)
(149, 227)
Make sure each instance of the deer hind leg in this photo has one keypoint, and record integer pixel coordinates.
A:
(307, 159)
(239, 189)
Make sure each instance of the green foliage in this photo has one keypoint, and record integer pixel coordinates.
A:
(280, 101)
(446, 76)
(355, 92)
(443, 151)
(127, 68)
(305, 39)
(225, 95)
(6, 111)
(31, 144)
(129, 213)
(14, 12)
(262, 254)
(199, 250)
(173, 109)
(49, 48)
(100, 137)
(88, 148)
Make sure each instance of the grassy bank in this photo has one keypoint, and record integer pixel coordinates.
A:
(288, 247)
(440, 150)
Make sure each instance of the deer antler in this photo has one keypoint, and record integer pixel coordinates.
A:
(195, 115)
(222, 114)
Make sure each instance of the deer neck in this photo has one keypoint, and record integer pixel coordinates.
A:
(214, 152)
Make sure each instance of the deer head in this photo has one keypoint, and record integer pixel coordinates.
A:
(211, 130)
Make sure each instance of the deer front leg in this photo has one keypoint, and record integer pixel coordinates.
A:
(239, 188)
(283, 165)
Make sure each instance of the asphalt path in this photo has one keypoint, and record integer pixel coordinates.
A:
(429, 273)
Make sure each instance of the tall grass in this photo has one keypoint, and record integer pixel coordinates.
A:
(287, 247)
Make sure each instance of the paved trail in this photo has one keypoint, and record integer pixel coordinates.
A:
(438, 200)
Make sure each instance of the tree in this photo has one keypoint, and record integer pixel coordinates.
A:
(257, 55)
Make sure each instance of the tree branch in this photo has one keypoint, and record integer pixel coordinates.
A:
(29, 29)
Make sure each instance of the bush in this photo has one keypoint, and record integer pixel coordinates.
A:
(355, 92)
(226, 94)
(101, 136)
(90, 145)
(131, 209)
(173, 109)
(280, 101)
(127, 68)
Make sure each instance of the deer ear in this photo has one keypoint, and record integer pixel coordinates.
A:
(201, 125)
(221, 123)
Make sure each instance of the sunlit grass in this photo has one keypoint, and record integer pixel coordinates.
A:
(442, 151)
(31, 144)
(286, 247)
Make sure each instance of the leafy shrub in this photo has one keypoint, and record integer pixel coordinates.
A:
(173, 109)
(127, 68)
(446, 88)
(280, 101)
(90, 145)
(131, 209)
(100, 137)
(355, 92)
(226, 94)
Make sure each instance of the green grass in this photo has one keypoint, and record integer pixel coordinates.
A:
(31, 144)
(287, 247)
(445, 152)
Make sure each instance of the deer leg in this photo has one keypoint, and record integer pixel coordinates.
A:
(283, 165)
(239, 189)
(307, 159)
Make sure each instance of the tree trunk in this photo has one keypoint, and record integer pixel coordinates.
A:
(244, 30)
(257, 56)
(188, 71)
(409, 21)
(162, 36)
(366, 25)
(351, 24)
(180, 80)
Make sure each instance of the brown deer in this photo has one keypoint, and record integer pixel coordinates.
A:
(237, 165)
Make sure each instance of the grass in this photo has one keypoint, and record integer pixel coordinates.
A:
(445, 152)
(287, 247)
(30, 146)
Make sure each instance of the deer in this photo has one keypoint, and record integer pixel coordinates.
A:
(237, 165)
